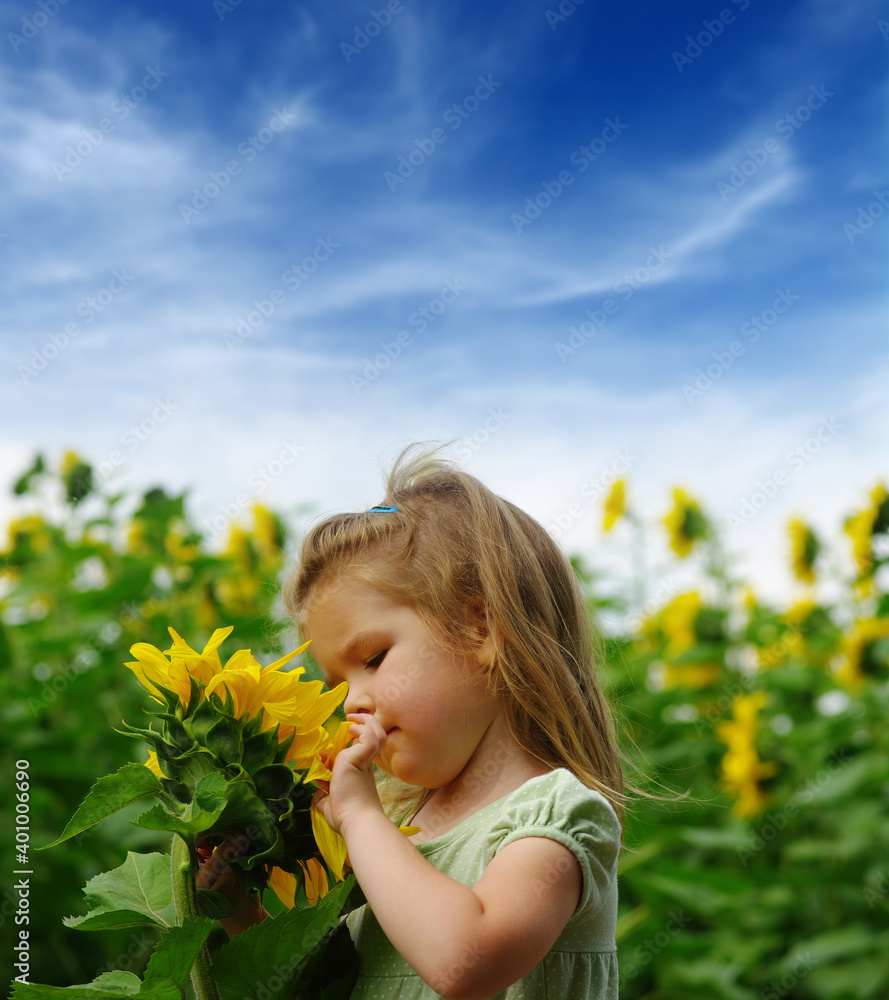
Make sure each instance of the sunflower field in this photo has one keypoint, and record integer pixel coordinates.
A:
(757, 842)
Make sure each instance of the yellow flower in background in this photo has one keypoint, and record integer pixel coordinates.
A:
(750, 600)
(860, 654)
(70, 461)
(238, 547)
(615, 504)
(804, 549)
(677, 621)
(685, 523)
(31, 529)
(137, 539)
(675, 624)
(861, 527)
(268, 533)
(742, 771)
(177, 548)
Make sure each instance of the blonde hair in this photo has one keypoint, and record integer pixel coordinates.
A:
(452, 545)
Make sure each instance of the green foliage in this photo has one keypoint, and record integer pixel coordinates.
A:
(768, 879)
(80, 583)
(263, 955)
(136, 894)
(166, 978)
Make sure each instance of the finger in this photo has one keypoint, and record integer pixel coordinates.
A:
(369, 738)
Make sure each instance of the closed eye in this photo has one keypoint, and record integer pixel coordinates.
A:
(376, 659)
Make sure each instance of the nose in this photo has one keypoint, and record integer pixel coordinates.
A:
(359, 697)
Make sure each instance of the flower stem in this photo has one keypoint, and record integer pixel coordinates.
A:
(184, 867)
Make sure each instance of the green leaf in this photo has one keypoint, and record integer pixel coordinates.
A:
(247, 961)
(260, 749)
(136, 894)
(157, 989)
(191, 818)
(189, 823)
(274, 781)
(224, 739)
(330, 970)
(213, 904)
(176, 951)
(110, 794)
(118, 982)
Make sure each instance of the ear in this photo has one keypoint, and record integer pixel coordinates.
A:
(483, 655)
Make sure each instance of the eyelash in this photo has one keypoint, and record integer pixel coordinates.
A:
(379, 657)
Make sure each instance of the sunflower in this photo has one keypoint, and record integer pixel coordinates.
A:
(262, 729)
(741, 771)
(804, 549)
(615, 504)
(685, 523)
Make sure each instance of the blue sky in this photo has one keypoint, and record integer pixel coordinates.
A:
(253, 250)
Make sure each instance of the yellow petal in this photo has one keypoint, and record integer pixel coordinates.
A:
(318, 771)
(159, 671)
(409, 831)
(330, 844)
(308, 705)
(286, 659)
(153, 765)
(242, 683)
(284, 886)
(315, 880)
(305, 744)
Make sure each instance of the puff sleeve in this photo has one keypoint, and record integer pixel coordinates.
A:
(560, 807)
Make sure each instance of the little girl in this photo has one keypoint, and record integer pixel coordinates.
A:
(469, 656)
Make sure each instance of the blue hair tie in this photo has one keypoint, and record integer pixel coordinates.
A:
(380, 509)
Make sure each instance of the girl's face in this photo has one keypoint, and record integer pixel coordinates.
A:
(433, 705)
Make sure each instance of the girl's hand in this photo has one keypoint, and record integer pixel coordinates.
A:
(215, 872)
(352, 789)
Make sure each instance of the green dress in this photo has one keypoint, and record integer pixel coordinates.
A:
(582, 964)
